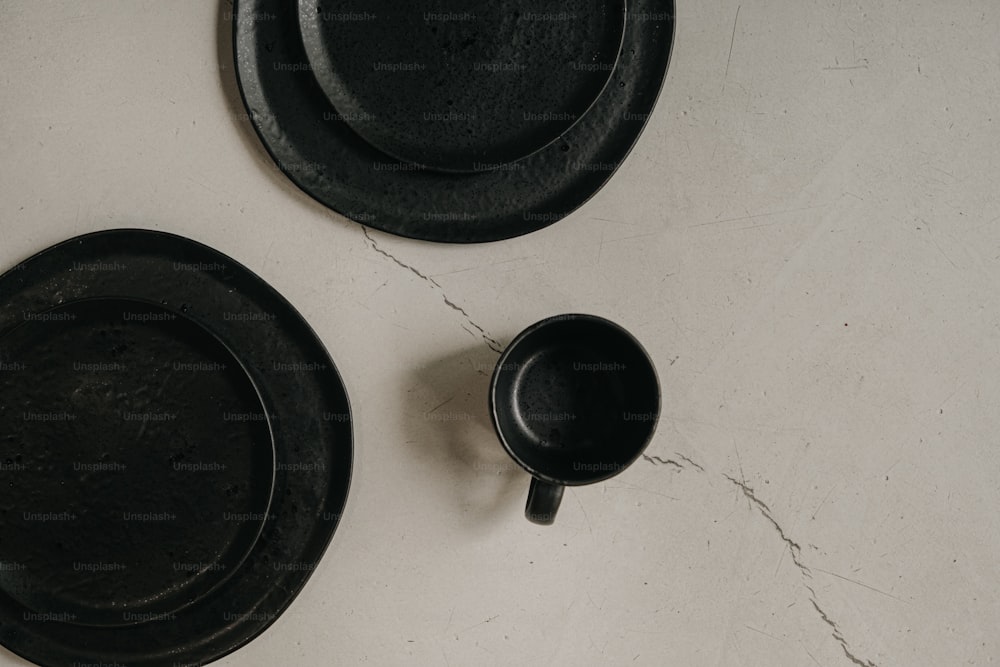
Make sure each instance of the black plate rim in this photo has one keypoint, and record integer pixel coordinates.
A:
(584, 185)
(226, 638)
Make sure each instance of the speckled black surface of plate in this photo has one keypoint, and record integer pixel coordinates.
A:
(474, 85)
(175, 452)
(317, 118)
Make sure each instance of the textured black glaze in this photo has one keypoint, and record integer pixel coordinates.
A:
(132, 404)
(171, 473)
(461, 87)
(315, 145)
(575, 400)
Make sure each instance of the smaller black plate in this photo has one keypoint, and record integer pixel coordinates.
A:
(473, 86)
(125, 401)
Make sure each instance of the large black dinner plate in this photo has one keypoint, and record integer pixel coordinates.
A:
(175, 452)
(451, 121)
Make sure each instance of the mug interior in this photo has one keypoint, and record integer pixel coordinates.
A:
(575, 399)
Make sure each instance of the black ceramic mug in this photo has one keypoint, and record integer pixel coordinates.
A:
(574, 400)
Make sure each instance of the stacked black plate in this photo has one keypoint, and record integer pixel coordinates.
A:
(176, 452)
(451, 120)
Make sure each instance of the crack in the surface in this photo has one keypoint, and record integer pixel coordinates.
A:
(406, 266)
(491, 342)
(684, 458)
(656, 460)
(793, 547)
(796, 553)
(836, 633)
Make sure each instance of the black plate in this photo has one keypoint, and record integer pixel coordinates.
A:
(448, 121)
(474, 85)
(175, 452)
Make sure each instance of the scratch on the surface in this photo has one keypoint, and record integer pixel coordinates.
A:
(379, 316)
(837, 634)
(636, 236)
(823, 501)
(684, 458)
(644, 490)
(585, 515)
(441, 405)
(450, 616)
(480, 266)
(491, 618)
(930, 235)
(267, 254)
(862, 584)
(617, 222)
(757, 215)
(938, 169)
(957, 389)
(76, 19)
(491, 342)
(732, 40)
(846, 67)
(656, 460)
(204, 185)
(759, 225)
(750, 627)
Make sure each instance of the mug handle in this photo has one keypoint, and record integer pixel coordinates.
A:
(543, 501)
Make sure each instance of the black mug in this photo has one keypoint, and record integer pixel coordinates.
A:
(574, 400)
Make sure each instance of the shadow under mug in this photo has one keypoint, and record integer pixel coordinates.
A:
(574, 400)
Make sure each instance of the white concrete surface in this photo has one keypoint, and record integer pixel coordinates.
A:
(806, 238)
